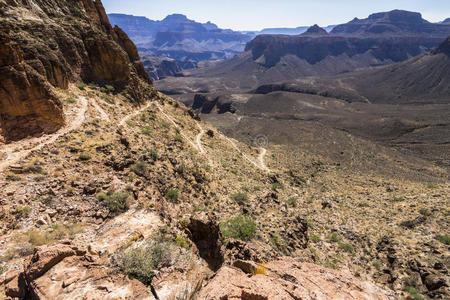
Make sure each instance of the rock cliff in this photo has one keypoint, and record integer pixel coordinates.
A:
(47, 44)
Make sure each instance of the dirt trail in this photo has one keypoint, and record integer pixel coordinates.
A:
(176, 126)
(198, 139)
(20, 150)
(101, 112)
(132, 115)
(259, 163)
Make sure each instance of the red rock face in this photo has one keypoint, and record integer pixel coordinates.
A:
(52, 43)
(288, 279)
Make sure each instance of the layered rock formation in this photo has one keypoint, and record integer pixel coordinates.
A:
(51, 43)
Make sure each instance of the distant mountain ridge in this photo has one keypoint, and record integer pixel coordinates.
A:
(180, 38)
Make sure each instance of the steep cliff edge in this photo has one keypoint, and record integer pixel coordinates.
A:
(47, 44)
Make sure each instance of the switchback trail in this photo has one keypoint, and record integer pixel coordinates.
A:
(20, 150)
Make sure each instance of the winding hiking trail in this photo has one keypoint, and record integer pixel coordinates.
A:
(132, 115)
(259, 163)
(198, 138)
(101, 112)
(20, 150)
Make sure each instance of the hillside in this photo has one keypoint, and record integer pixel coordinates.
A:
(130, 195)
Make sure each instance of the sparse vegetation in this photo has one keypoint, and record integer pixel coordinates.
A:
(346, 247)
(240, 227)
(158, 252)
(147, 130)
(82, 86)
(131, 123)
(398, 199)
(179, 138)
(71, 100)
(292, 201)
(413, 293)
(277, 186)
(172, 195)
(410, 224)
(22, 211)
(153, 154)
(240, 198)
(445, 239)
(115, 202)
(315, 238)
(139, 168)
(181, 242)
(84, 157)
(334, 237)
(260, 269)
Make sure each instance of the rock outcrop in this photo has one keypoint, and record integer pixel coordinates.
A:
(62, 271)
(287, 279)
(47, 44)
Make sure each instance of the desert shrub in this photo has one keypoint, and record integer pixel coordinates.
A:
(115, 202)
(410, 224)
(172, 195)
(277, 186)
(181, 242)
(240, 198)
(413, 293)
(445, 239)
(179, 138)
(239, 227)
(84, 157)
(334, 237)
(34, 167)
(147, 130)
(71, 100)
(346, 247)
(139, 167)
(363, 204)
(22, 211)
(110, 88)
(130, 123)
(431, 186)
(161, 251)
(292, 202)
(153, 154)
(315, 238)
(398, 199)
(82, 86)
(12, 177)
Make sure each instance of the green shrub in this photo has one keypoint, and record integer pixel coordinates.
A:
(346, 247)
(363, 204)
(240, 227)
(414, 293)
(292, 202)
(410, 224)
(147, 130)
(115, 202)
(71, 100)
(82, 86)
(84, 157)
(172, 195)
(240, 198)
(130, 123)
(157, 253)
(315, 238)
(398, 199)
(277, 186)
(179, 138)
(110, 88)
(431, 186)
(153, 154)
(445, 239)
(181, 242)
(334, 237)
(139, 167)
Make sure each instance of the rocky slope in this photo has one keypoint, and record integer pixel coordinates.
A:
(48, 45)
(137, 198)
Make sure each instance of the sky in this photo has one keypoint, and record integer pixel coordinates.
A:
(259, 14)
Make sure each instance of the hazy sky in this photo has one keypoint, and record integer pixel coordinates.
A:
(258, 14)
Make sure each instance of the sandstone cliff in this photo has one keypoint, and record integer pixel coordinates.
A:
(47, 44)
